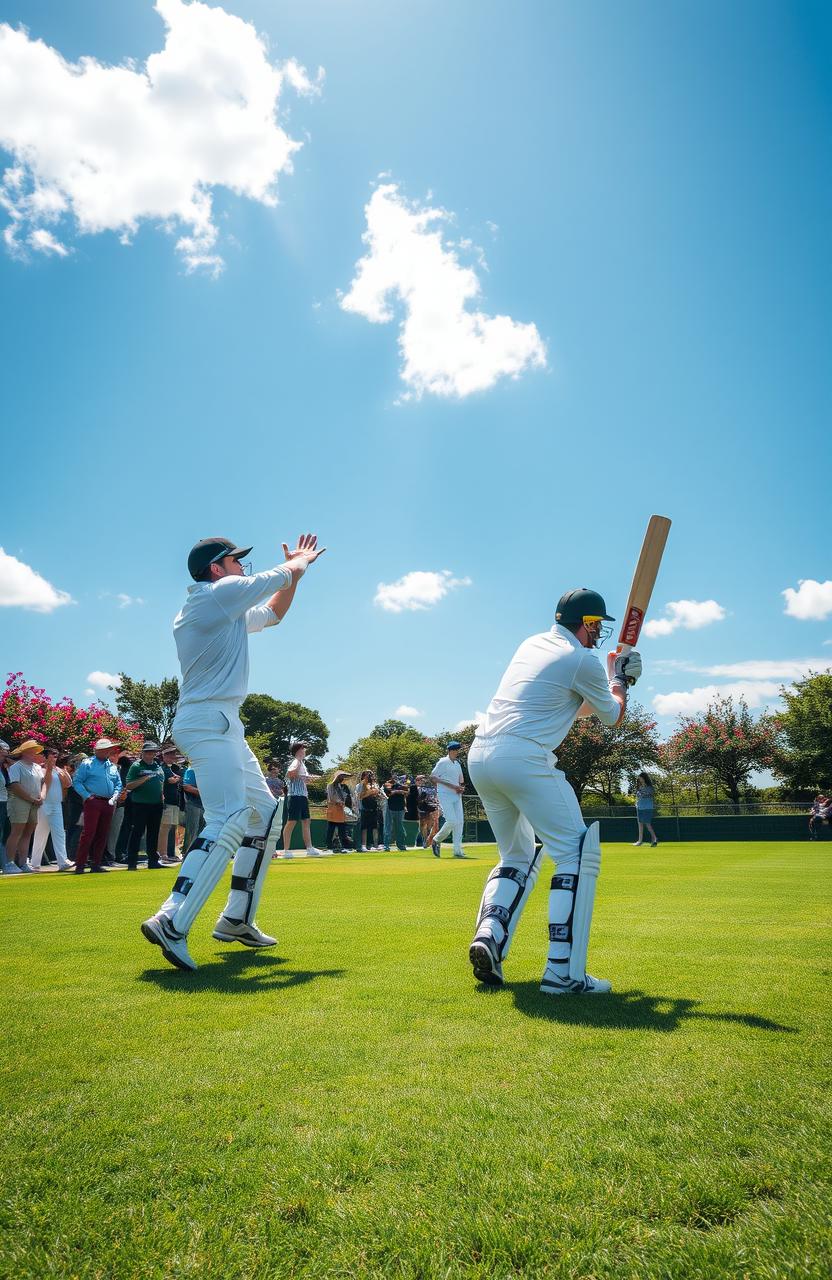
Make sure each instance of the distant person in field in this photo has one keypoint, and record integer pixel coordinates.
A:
(5, 763)
(54, 785)
(297, 779)
(223, 606)
(367, 797)
(395, 789)
(820, 812)
(645, 809)
(336, 811)
(552, 678)
(450, 785)
(427, 809)
(411, 808)
(194, 811)
(24, 802)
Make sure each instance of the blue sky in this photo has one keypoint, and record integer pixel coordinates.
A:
(643, 191)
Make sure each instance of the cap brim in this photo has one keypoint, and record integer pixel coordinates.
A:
(238, 552)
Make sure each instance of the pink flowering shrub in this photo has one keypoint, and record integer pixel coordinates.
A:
(27, 711)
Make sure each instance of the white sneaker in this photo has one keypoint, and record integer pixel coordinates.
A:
(460, 855)
(12, 869)
(313, 853)
(227, 930)
(553, 985)
(483, 956)
(159, 930)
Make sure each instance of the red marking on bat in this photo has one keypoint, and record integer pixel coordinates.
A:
(632, 627)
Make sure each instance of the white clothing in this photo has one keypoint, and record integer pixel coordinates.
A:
(50, 822)
(545, 683)
(211, 629)
(453, 826)
(55, 794)
(450, 802)
(4, 795)
(28, 777)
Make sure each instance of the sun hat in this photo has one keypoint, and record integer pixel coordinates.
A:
(28, 745)
(105, 744)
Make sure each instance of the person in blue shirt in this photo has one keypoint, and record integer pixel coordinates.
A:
(98, 783)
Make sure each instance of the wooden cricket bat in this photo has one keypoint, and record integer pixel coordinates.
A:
(644, 579)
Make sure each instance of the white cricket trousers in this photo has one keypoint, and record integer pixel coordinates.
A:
(50, 822)
(229, 778)
(523, 793)
(454, 823)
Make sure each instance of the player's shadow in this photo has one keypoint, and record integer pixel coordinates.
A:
(240, 972)
(625, 1010)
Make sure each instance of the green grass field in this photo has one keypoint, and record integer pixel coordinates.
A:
(353, 1106)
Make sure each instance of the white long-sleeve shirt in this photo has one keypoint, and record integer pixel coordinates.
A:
(548, 678)
(211, 633)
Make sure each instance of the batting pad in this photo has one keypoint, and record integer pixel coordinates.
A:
(506, 893)
(248, 876)
(206, 876)
(588, 872)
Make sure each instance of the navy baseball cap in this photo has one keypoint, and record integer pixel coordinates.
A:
(454, 746)
(209, 550)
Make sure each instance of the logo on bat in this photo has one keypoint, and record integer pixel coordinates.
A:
(632, 626)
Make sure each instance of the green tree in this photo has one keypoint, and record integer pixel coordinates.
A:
(409, 752)
(595, 757)
(727, 742)
(279, 724)
(390, 729)
(806, 733)
(151, 706)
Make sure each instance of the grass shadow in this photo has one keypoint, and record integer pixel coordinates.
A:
(626, 1010)
(237, 972)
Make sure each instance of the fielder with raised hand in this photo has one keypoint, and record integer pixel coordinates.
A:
(223, 605)
(550, 681)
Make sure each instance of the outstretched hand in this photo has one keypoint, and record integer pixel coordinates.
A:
(307, 550)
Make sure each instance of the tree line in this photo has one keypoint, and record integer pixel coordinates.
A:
(712, 755)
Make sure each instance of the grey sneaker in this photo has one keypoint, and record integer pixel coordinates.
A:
(159, 930)
(227, 930)
(483, 956)
(552, 985)
(434, 848)
(12, 869)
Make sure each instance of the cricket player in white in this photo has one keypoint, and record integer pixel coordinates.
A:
(223, 605)
(450, 784)
(551, 680)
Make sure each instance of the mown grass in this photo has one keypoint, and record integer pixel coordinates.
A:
(354, 1106)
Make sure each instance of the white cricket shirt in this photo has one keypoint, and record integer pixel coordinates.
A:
(545, 683)
(449, 771)
(211, 637)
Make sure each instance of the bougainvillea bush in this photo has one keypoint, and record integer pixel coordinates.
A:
(28, 712)
(725, 742)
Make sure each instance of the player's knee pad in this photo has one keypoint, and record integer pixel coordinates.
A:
(506, 892)
(571, 902)
(249, 875)
(203, 867)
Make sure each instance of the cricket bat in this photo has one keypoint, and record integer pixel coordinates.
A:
(644, 579)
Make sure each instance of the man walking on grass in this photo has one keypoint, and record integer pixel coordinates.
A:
(450, 783)
(224, 604)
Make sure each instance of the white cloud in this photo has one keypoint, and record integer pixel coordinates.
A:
(812, 602)
(417, 590)
(90, 693)
(477, 719)
(124, 601)
(412, 713)
(750, 669)
(22, 588)
(446, 348)
(102, 148)
(755, 693)
(103, 679)
(689, 615)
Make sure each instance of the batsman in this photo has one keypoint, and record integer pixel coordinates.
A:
(553, 678)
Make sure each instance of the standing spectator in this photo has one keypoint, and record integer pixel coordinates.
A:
(170, 812)
(5, 761)
(381, 800)
(645, 804)
(297, 778)
(73, 808)
(819, 812)
(395, 789)
(123, 811)
(274, 781)
(336, 815)
(24, 790)
(367, 795)
(98, 783)
(411, 808)
(194, 811)
(428, 809)
(447, 774)
(54, 785)
(146, 785)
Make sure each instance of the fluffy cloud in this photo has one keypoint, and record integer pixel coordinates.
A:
(446, 348)
(101, 148)
(811, 602)
(411, 713)
(477, 719)
(103, 680)
(689, 615)
(417, 590)
(755, 693)
(21, 587)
